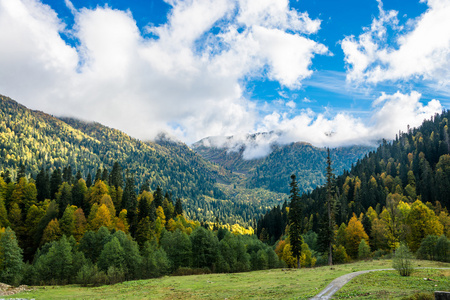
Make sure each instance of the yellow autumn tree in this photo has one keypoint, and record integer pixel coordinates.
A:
(422, 222)
(354, 234)
(52, 232)
(97, 192)
(288, 257)
(121, 221)
(100, 216)
(80, 224)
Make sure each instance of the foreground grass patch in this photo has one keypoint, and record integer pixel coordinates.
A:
(268, 284)
(390, 285)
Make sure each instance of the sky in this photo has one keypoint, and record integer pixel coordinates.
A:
(331, 73)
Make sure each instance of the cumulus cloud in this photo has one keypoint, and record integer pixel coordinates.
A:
(186, 79)
(421, 50)
(391, 113)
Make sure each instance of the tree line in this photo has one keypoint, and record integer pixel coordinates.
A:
(61, 228)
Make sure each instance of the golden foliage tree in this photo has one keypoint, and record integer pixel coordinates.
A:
(355, 233)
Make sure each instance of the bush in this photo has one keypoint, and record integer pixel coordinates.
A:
(402, 261)
(380, 253)
(340, 255)
(115, 275)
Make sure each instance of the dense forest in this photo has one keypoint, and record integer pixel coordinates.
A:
(61, 228)
(395, 194)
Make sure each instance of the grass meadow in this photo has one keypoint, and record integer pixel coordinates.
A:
(267, 284)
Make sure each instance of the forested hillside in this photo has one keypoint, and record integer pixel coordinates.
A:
(35, 139)
(398, 193)
(302, 159)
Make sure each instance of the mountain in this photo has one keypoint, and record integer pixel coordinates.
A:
(34, 139)
(272, 172)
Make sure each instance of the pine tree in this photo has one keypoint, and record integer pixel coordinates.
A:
(178, 207)
(115, 177)
(330, 210)
(88, 180)
(55, 182)
(158, 197)
(42, 185)
(129, 202)
(295, 220)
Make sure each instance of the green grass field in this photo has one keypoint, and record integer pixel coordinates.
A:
(268, 284)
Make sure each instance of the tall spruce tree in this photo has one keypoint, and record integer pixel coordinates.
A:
(130, 203)
(295, 220)
(330, 210)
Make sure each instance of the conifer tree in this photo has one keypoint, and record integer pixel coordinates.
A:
(115, 177)
(326, 231)
(88, 180)
(158, 197)
(42, 185)
(178, 207)
(295, 220)
(129, 202)
(55, 182)
(98, 175)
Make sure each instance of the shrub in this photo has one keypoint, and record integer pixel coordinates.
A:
(402, 261)
(115, 275)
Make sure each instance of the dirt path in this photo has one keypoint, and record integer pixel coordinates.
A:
(339, 282)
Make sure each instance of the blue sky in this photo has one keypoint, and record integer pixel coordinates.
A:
(360, 70)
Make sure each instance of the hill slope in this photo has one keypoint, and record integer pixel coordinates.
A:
(273, 172)
(35, 139)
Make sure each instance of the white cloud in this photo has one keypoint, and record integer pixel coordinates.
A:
(187, 81)
(422, 51)
(391, 113)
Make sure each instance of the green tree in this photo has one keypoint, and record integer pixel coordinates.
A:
(112, 255)
(64, 197)
(57, 263)
(55, 182)
(427, 249)
(155, 261)
(79, 193)
(67, 222)
(178, 248)
(130, 203)
(295, 221)
(328, 235)
(178, 207)
(363, 250)
(402, 261)
(11, 260)
(204, 248)
(442, 249)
